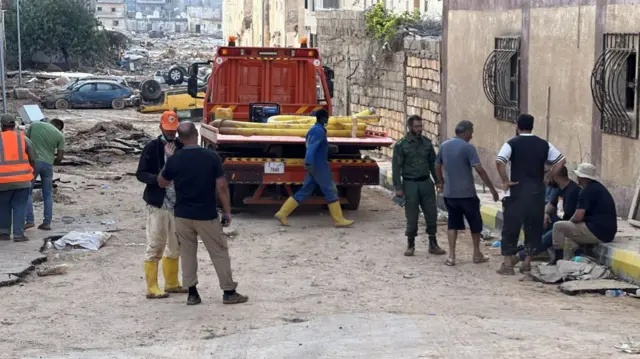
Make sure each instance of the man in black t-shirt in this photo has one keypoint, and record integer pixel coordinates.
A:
(595, 220)
(564, 188)
(198, 176)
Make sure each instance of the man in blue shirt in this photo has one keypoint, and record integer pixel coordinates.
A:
(316, 163)
(595, 220)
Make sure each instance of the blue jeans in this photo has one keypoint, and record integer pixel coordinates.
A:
(45, 171)
(13, 207)
(322, 178)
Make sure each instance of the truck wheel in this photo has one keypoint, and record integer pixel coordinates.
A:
(118, 104)
(62, 104)
(175, 76)
(352, 195)
(150, 90)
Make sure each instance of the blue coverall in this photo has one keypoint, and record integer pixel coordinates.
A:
(316, 162)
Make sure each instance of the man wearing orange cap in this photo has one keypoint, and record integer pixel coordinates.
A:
(161, 232)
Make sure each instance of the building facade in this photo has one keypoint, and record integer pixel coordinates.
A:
(111, 14)
(204, 20)
(571, 64)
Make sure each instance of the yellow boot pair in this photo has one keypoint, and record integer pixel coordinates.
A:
(334, 209)
(170, 272)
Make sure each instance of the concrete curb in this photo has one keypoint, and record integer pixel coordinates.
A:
(623, 262)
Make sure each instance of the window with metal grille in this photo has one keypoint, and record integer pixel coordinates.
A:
(614, 84)
(501, 78)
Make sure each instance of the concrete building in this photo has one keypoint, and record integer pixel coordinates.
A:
(203, 20)
(571, 64)
(111, 14)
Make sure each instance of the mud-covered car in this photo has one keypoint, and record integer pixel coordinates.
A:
(89, 94)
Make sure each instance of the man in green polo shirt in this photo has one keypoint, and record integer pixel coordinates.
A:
(48, 143)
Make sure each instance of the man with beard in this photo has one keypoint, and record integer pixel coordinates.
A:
(569, 191)
(161, 230)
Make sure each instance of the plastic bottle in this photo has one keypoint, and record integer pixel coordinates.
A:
(496, 244)
(615, 293)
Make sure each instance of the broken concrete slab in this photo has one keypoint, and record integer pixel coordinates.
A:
(595, 286)
(18, 259)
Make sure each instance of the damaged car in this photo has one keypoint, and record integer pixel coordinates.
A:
(89, 94)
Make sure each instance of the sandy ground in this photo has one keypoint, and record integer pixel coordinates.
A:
(297, 278)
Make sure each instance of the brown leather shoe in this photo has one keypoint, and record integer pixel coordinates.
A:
(28, 225)
(5, 237)
(434, 248)
(20, 239)
(504, 270)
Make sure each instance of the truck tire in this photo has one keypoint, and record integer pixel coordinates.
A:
(352, 195)
(150, 90)
(175, 76)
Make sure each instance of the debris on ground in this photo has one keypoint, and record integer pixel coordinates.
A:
(595, 286)
(565, 271)
(105, 139)
(53, 270)
(81, 240)
(629, 346)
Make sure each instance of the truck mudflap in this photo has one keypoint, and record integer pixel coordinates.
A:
(288, 173)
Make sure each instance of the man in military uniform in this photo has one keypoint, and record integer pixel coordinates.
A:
(414, 161)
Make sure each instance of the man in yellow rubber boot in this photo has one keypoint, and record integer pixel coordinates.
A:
(161, 231)
(316, 163)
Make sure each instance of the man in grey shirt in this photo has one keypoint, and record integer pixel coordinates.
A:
(458, 157)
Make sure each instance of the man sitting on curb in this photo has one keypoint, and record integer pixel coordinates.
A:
(595, 220)
(569, 191)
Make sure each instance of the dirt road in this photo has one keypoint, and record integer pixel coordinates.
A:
(315, 291)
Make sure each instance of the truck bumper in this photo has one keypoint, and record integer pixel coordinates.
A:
(279, 171)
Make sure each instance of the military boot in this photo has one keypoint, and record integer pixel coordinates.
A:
(411, 247)
(434, 248)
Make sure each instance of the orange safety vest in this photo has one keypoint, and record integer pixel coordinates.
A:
(14, 162)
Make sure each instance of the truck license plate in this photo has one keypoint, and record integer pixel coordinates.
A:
(274, 167)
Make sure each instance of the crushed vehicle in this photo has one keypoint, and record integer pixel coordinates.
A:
(156, 97)
(258, 106)
(85, 93)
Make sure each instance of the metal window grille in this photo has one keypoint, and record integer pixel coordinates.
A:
(328, 4)
(501, 78)
(614, 85)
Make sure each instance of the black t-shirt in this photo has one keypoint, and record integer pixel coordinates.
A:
(570, 195)
(194, 171)
(600, 211)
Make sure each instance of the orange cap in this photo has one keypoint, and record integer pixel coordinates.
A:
(169, 121)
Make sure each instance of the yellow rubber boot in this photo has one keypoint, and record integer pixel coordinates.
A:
(336, 213)
(151, 274)
(170, 272)
(286, 210)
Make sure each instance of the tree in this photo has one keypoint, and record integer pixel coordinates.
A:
(64, 27)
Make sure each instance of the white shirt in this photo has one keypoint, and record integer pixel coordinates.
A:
(553, 156)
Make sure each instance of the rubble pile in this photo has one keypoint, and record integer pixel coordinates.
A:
(98, 144)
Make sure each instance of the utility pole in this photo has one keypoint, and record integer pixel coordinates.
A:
(19, 45)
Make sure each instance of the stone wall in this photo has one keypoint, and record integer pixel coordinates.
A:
(368, 74)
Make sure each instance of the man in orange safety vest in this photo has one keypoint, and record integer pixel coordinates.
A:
(17, 160)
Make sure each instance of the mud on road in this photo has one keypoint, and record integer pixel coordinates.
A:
(299, 279)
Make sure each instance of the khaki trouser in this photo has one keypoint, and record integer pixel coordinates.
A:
(570, 236)
(161, 235)
(210, 232)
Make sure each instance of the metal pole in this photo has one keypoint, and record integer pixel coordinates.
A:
(264, 2)
(19, 45)
(4, 88)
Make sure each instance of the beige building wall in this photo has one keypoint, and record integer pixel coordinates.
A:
(563, 45)
(238, 20)
(111, 14)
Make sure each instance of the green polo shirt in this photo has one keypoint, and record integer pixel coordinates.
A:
(46, 140)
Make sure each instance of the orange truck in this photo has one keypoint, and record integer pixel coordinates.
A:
(255, 83)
